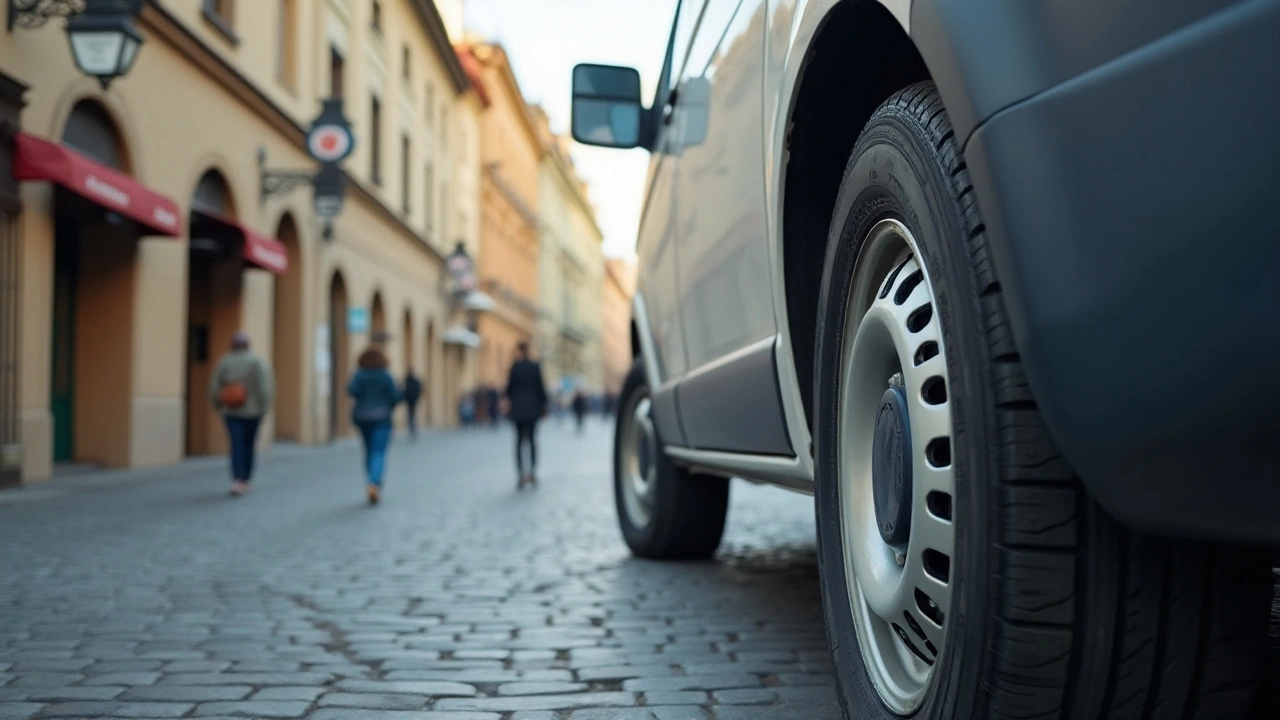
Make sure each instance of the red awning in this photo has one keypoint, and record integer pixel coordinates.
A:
(38, 159)
(258, 249)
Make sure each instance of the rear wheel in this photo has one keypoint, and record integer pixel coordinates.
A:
(966, 573)
(664, 511)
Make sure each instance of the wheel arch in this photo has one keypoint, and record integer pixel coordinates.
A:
(827, 114)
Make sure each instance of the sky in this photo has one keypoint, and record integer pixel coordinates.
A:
(545, 39)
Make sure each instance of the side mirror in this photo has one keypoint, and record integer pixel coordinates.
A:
(607, 110)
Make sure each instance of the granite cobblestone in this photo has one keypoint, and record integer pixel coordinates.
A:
(457, 599)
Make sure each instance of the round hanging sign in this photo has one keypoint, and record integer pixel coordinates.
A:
(329, 142)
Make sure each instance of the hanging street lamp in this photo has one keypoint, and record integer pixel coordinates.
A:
(103, 37)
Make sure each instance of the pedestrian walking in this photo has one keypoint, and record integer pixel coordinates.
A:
(492, 398)
(579, 409)
(412, 394)
(376, 396)
(526, 399)
(467, 409)
(241, 390)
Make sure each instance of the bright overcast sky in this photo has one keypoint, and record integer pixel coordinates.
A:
(545, 39)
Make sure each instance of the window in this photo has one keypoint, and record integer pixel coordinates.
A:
(221, 14)
(375, 140)
(376, 21)
(404, 61)
(404, 173)
(444, 127)
(430, 186)
(337, 72)
(286, 43)
(430, 110)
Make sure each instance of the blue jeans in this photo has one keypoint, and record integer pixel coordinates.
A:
(243, 432)
(376, 438)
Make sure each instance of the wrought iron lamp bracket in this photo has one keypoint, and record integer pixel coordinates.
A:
(32, 14)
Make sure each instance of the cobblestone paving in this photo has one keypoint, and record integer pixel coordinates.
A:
(154, 595)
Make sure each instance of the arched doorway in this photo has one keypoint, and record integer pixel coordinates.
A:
(214, 284)
(339, 355)
(93, 291)
(377, 318)
(433, 387)
(406, 354)
(287, 357)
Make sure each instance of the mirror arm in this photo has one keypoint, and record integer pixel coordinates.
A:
(648, 128)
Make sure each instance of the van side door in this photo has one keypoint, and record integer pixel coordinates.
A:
(730, 400)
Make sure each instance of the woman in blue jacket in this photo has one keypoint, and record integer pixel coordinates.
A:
(376, 396)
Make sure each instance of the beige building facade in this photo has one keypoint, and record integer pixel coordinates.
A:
(508, 260)
(121, 320)
(570, 268)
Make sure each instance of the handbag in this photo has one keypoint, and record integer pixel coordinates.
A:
(234, 395)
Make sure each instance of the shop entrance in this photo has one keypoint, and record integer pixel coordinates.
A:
(286, 348)
(93, 287)
(214, 277)
(339, 404)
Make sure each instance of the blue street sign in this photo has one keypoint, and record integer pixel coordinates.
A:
(357, 320)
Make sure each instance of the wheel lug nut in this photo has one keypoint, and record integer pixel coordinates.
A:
(896, 380)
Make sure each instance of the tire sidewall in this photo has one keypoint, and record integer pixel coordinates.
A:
(892, 174)
(634, 388)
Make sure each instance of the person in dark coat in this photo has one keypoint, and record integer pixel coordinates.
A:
(526, 399)
(579, 408)
(492, 398)
(412, 394)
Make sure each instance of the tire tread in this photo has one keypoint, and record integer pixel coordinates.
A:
(1181, 625)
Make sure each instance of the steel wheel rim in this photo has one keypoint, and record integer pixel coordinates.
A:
(900, 597)
(639, 462)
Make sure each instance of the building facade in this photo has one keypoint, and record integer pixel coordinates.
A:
(615, 306)
(570, 270)
(122, 317)
(509, 176)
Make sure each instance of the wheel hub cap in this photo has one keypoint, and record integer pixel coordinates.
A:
(891, 469)
(896, 481)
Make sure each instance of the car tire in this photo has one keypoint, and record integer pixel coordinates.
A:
(664, 511)
(1052, 609)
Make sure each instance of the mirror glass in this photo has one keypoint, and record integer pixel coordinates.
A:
(606, 106)
(606, 122)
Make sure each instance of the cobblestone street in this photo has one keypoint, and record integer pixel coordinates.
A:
(154, 595)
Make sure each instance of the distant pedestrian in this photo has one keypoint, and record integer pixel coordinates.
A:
(376, 396)
(526, 398)
(412, 394)
(579, 409)
(242, 390)
(467, 409)
(492, 399)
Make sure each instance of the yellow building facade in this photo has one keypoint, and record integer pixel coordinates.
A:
(570, 270)
(120, 321)
(508, 262)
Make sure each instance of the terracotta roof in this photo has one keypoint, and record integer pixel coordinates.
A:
(471, 67)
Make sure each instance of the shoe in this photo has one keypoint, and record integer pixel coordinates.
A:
(239, 488)
(373, 494)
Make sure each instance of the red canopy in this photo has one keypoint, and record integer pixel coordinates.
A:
(258, 249)
(38, 159)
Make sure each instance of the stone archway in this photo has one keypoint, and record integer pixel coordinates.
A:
(289, 339)
(339, 358)
(94, 283)
(215, 281)
(377, 316)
